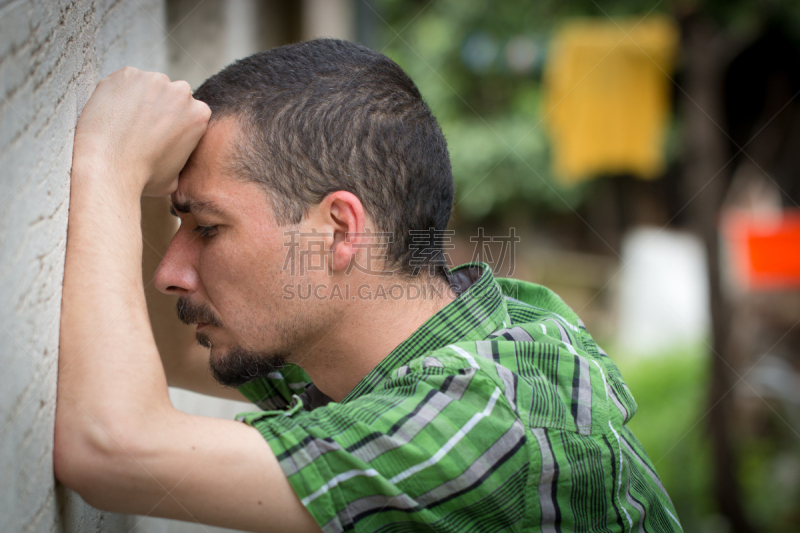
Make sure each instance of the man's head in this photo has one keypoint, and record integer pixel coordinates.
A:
(328, 115)
(324, 135)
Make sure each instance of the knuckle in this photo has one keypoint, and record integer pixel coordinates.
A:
(204, 112)
(156, 79)
(183, 87)
(117, 74)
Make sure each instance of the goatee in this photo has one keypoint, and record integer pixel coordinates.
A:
(236, 367)
(240, 366)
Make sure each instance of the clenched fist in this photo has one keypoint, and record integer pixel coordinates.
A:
(140, 128)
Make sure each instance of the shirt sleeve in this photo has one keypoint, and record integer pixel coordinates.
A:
(275, 391)
(436, 446)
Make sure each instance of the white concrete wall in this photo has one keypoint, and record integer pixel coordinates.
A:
(51, 55)
(207, 36)
(52, 52)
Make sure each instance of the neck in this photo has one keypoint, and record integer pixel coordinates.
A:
(365, 330)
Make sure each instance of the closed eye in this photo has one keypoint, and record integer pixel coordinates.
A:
(205, 232)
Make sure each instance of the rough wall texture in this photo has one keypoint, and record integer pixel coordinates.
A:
(52, 52)
(51, 55)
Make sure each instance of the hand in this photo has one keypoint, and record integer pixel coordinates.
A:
(140, 128)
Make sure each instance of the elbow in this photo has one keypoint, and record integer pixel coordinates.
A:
(88, 461)
(77, 458)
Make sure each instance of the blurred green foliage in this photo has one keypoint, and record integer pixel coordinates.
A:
(458, 52)
(671, 393)
(490, 117)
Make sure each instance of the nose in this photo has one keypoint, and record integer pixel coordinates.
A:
(177, 274)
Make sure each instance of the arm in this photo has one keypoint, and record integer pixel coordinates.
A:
(118, 440)
(185, 361)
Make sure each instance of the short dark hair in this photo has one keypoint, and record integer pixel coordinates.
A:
(328, 115)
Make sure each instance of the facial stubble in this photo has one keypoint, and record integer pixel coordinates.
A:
(238, 366)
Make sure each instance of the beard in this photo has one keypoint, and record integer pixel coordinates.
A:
(238, 366)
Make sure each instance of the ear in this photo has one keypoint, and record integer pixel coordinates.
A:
(344, 213)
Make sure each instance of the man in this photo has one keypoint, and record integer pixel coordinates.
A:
(443, 401)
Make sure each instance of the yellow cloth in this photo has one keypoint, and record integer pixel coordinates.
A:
(607, 97)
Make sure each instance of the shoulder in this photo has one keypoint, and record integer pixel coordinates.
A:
(531, 303)
(449, 383)
(434, 441)
(445, 384)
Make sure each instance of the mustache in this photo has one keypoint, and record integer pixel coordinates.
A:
(192, 313)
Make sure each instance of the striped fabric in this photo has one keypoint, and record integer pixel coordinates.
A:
(499, 414)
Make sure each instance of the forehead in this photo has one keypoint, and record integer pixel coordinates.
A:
(207, 176)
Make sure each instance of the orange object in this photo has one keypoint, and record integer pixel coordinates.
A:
(764, 250)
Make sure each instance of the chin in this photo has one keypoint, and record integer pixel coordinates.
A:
(237, 366)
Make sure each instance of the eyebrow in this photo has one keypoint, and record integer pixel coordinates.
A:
(195, 206)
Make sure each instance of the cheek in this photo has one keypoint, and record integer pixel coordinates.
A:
(220, 274)
(241, 275)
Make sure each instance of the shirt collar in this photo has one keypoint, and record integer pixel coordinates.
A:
(478, 310)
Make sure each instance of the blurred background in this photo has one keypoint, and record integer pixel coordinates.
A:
(640, 158)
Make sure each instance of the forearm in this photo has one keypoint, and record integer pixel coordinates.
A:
(118, 441)
(109, 368)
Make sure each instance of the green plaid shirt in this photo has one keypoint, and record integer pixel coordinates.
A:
(500, 413)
